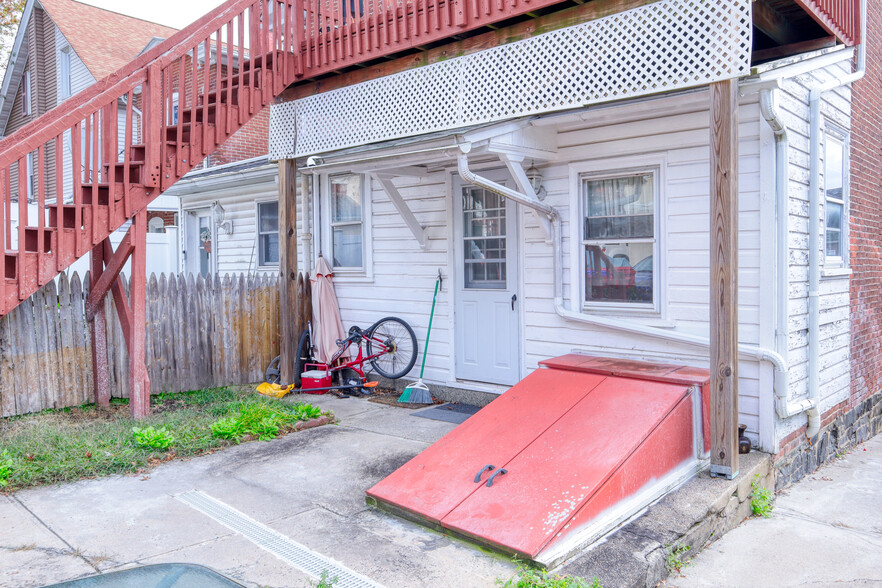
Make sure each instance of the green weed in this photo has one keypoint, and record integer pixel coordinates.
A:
(760, 499)
(5, 468)
(263, 420)
(325, 582)
(674, 562)
(529, 577)
(152, 438)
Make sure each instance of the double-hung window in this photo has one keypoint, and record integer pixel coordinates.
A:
(64, 73)
(26, 93)
(347, 221)
(619, 240)
(268, 233)
(835, 199)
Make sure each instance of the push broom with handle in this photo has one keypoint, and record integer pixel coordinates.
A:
(418, 392)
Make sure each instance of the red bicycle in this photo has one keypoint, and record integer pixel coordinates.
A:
(389, 345)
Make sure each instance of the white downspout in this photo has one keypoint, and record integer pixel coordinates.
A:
(814, 393)
(617, 323)
(768, 107)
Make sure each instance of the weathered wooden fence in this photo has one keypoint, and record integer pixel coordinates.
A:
(201, 332)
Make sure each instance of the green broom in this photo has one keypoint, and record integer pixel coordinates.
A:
(418, 392)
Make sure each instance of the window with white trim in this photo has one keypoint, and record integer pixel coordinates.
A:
(619, 240)
(835, 198)
(64, 73)
(26, 93)
(268, 233)
(346, 216)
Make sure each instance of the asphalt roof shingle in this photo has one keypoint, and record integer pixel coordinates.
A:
(103, 39)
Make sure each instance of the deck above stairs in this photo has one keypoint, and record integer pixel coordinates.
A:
(567, 454)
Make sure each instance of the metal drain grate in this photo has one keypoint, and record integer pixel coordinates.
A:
(282, 547)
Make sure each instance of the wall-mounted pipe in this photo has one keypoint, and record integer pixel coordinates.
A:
(616, 323)
(815, 199)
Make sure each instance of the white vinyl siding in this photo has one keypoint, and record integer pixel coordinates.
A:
(80, 79)
(236, 252)
(834, 339)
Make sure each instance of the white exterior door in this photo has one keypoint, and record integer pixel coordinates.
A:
(200, 240)
(486, 323)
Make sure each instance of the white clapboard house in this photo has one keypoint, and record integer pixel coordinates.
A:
(560, 186)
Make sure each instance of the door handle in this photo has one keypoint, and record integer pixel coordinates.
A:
(514, 298)
(486, 468)
(498, 472)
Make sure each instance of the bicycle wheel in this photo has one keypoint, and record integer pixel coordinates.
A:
(273, 373)
(401, 346)
(303, 357)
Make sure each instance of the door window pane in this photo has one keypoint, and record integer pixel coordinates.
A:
(484, 238)
(618, 237)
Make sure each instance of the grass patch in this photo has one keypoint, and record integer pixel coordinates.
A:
(530, 577)
(88, 442)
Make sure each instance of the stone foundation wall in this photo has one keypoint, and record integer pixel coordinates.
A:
(699, 512)
(841, 430)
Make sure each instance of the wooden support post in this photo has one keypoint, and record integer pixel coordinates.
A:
(139, 382)
(288, 302)
(724, 278)
(100, 373)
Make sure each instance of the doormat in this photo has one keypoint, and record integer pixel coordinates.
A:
(451, 413)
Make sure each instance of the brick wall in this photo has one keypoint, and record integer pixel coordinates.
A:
(866, 221)
(249, 141)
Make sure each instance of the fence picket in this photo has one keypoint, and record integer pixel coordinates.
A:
(7, 374)
(82, 341)
(201, 332)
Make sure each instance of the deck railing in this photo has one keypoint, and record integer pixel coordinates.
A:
(842, 18)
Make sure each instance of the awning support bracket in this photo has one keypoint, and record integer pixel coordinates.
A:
(419, 232)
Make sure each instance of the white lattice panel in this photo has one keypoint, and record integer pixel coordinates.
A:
(668, 45)
(283, 135)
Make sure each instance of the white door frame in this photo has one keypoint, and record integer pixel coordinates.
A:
(191, 241)
(514, 274)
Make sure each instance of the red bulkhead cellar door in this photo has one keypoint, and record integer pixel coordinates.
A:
(437, 480)
(567, 468)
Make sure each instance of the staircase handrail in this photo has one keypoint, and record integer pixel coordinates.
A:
(47, 126)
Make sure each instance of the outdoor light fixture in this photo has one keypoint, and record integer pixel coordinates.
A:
(219, 214)
(535, 177)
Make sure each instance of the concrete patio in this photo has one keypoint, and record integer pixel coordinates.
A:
(308, 486)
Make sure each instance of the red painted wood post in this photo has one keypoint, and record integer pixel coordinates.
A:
(100, 374)
(139, 382)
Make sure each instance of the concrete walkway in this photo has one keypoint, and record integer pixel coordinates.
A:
(825, 530)
(308, 486)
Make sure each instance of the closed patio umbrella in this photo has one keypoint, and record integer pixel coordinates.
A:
(327, 327)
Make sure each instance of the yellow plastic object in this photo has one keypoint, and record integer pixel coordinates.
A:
(273, 390)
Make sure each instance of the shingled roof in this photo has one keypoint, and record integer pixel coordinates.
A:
(103, 39)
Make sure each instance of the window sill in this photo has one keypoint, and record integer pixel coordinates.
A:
(650, 319)
(836, 272)
(352, 279)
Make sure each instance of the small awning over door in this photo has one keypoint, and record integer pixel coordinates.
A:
(563, 448)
